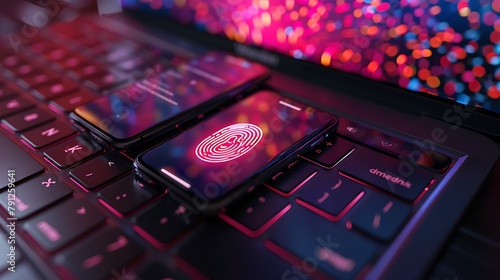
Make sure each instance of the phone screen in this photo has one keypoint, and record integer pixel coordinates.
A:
(164, 97)
(221, 153)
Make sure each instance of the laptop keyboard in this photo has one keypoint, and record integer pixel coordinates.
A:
(80, 212)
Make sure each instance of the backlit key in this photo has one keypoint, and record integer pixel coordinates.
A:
(36, 194)
(72, 151)
(336, 251)
(27, 119)
(330, 195)
(292, 177)
(54, 90)
(69, 102)
(100, 170)
(381, 216)
(105, 253)
(386, 173)
(14, 105)
(15, 162)
(256, 214)
(165, 220)
(47, 134)
(127, 194)
(330, 152)
(64, 223)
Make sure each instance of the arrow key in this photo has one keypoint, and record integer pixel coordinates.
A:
(100, 170)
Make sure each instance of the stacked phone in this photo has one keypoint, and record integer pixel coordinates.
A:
(207, 157)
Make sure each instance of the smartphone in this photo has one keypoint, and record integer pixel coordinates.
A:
(163, 103)
(221, 158)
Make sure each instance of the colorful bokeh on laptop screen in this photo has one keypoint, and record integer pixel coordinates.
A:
(449, 49)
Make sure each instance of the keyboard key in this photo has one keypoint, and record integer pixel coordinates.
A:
(330, 195)
(164, 221)
(16, 159)
(6, 92)
(24, 68)
(426, 157)
(157, 271)
(243, 257)
(53, 90)
(105, 81)
(36, 194)
(27, 119)
(38, 79)
(257, 214)
(100, 170)
(42, 46)
(57, 53)
(63, 223)
(69, 102)
(336, 251)
(72, 61)
(381, 216)
(384, 173)
(73, 151)
(292, 177)
(14, 105)
(386, 143)
(88, 69)
(47, 134)
(352, 130)
(416, 154)
(104, 254)
(328, 153)
(11, 61)
(127, 194)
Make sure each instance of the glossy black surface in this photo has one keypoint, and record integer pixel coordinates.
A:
(162, 99)
(236, 144)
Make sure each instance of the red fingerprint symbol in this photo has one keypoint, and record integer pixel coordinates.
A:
(229, 143)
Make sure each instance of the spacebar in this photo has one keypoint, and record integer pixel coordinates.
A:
(15, 163)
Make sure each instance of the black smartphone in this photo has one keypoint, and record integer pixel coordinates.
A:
(163, 103)
(218, 160)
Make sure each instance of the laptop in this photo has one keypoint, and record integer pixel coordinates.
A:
(413, 87)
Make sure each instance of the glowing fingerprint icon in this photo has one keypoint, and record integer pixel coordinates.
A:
(229, 143)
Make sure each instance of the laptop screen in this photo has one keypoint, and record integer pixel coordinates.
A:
(448, 49)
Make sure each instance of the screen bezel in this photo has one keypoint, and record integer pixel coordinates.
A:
(212, 206)
(419, 103)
